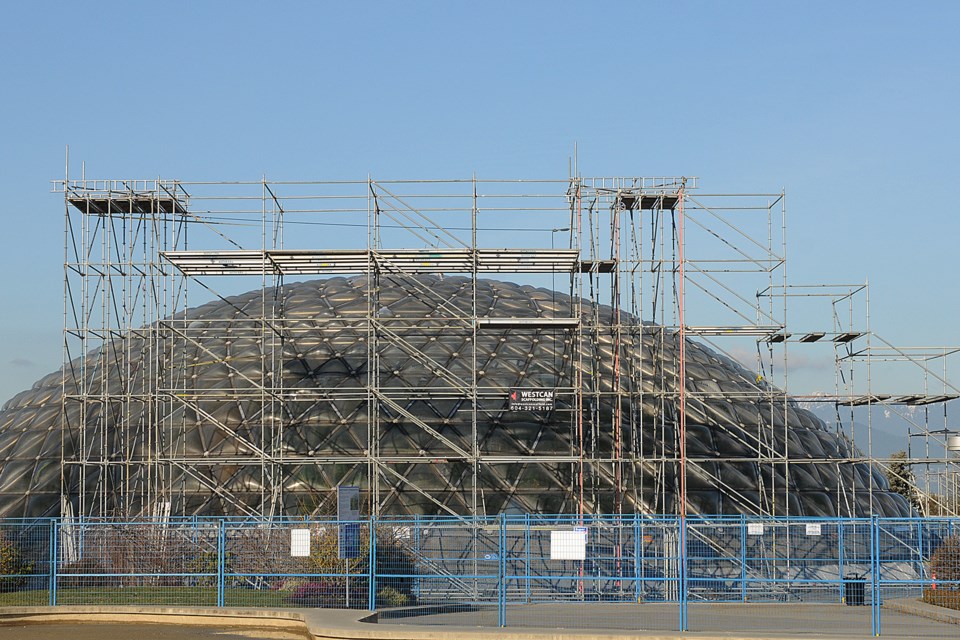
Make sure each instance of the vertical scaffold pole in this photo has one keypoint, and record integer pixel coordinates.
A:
(682, 384)
(579, 365)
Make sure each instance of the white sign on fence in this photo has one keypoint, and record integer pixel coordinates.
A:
(568, 545)
(813, 528)
(754, 528)
(300, 543)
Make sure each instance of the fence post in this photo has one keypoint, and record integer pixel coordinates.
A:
(501, 574)
(682, 524)
(526, 553)
(875, 574)
(221, 562)
(637, 556)
(921, 571)
(372, 568)
(743, 557)
(417, 561)
(841, 554)
(53, 562)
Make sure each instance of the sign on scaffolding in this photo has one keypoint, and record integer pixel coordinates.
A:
(532, 399)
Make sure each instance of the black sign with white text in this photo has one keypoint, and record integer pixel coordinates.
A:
(532, 399)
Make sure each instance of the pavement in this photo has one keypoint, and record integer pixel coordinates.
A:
(901, 620)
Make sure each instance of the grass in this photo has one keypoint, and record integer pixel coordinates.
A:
(168, 596)
(949, 598)
(26, 598)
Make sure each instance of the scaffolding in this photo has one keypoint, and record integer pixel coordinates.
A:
(642, 259)
(876, 381)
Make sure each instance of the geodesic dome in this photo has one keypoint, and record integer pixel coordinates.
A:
(315, 413)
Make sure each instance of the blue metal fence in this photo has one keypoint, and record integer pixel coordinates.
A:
(618, 572)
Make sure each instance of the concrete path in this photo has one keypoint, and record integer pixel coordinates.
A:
(595, 621)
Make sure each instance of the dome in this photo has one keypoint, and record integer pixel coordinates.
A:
(226, 409)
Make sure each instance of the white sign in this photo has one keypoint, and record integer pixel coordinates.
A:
(300, 543)
(754, 528)
(813, 528)
(568, 545)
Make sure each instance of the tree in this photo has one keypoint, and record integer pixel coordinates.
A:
(945, 562)
(12, 564)
(901, 478)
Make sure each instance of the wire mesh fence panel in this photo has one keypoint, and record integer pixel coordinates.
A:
(593, 573)
(716, 567)
(943, 548)
(322, 564)
(726, 574)
(856, 563)
(25, 570)
(439, 571)
(396, 565)
(150, 562)
(918, 564)
(905, 548)
(777, 575)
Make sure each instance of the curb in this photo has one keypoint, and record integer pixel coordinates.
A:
(916, 607)
(202, 617)
(320, 624)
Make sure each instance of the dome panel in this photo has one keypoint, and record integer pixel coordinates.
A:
(319, 411)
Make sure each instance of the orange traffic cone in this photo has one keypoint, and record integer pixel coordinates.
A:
(934, 576)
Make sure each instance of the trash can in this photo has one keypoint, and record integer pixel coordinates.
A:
(854, 589)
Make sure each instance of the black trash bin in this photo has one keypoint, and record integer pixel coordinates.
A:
(855, 588)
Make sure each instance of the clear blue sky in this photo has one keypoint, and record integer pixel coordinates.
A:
(851, 107)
